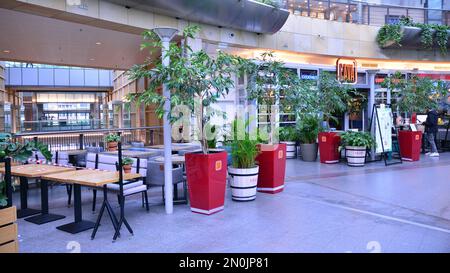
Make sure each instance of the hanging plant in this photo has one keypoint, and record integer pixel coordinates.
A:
(426, 36)
(441, 37)
(389, 35)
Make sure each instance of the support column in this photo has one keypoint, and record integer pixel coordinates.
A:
(370, 104)
(166, 34)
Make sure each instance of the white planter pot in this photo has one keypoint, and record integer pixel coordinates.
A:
(356, 156)
(291, 149)
(243, 183)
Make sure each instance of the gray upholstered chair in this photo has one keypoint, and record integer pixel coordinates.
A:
(81, 159)
(155, 177)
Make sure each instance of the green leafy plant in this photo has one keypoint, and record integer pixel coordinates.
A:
(416, 94)
(357, 139)
(18, 151)
(308, 129)
(288, 133)
(196, 79)
(21, 151)
(243, 149)
(389, 34)
(392, 34)
(112, 138)
(127, 161)
(441, 37)
(269, 82)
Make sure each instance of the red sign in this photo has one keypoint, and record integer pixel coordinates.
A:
(346, 70)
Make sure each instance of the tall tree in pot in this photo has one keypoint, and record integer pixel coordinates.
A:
(269, 82)
(196, 81)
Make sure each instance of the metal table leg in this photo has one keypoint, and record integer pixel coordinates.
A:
(44, 217)
(24, 211)
(79, 224)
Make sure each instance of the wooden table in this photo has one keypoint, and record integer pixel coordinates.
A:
(24, 172)
(134, 154)
(90, 178)
(176, 159)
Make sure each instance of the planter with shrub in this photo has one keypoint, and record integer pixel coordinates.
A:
(112, 141)
(308, 130)
(244, 171)
(356, 145)
(127, 163)
(288, 135)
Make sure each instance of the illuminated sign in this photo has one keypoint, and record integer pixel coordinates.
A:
(346, 71)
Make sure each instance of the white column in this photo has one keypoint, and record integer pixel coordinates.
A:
(370, 104)
(166, 35)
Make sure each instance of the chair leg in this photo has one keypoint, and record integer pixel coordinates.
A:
(94, 199)
(146, 201)
(119, 199)
(143, 197)
(185, 191)
(69, 194)
(164, 199)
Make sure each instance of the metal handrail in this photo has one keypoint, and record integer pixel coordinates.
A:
(86, 131)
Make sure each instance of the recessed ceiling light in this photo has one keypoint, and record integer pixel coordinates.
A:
(6, 51)
(91, 59)
(98, 43)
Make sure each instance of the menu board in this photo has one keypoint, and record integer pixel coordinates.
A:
(383, 132)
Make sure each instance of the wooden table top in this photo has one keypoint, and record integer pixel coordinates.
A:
(177, 159)
(135, 154)
(36, 170)
(88, 177)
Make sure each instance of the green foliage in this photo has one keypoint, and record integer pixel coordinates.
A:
(388, 34)
(127, 161)
(441, 37)
(21, 151)
(112, 138)
(308, 129)
(243, 149)
(334, 98)
(392, 34)
(3, 198)
(416, 94)
(358, 139)
(288, 133)
(191, 76)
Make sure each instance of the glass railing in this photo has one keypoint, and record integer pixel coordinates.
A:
(364, 13)
(61, 125)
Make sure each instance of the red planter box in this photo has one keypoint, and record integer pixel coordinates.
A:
(207, 180)
(272, 167)
(329, 147)
(410, 144)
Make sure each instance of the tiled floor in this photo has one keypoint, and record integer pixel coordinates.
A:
(324, 208)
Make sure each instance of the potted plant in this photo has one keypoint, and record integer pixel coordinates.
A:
(269, 83)
(112, 141)
(244, 171)
(196, 81)
(414, 95)
(308, 130)
(289, 136)
(356, 145)
(126, 164)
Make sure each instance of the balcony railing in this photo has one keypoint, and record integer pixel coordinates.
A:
(73, 140)
(364, 13)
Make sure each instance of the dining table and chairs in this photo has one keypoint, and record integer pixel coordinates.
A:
(101, 170)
